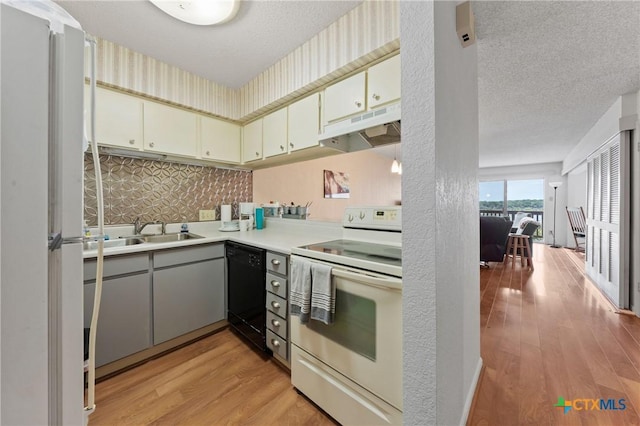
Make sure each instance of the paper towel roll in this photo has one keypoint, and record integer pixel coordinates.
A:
(225, 213)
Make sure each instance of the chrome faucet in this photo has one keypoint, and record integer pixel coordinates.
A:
(137, 228)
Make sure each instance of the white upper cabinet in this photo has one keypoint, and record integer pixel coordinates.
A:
(383, 82)
(304, 123)
(219, 140)
(274, 133)
(252, 141)
(169, 130)
(345, 98)
(118, 119)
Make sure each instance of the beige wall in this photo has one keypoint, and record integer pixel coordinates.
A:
(371, 183)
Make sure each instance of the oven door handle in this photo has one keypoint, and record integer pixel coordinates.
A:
(389, 283)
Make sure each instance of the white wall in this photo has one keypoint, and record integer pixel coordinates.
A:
(440, 228)
(550, 172)
(607, 126)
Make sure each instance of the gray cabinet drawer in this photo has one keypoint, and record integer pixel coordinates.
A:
(181, 255)
(277, 344)
(276, 324)
(277, 285)
(277, 263)
(277, 305)
(117, 265)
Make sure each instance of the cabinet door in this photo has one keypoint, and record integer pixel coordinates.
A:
(383, 82)
(169, 130)
(124, 326)
(345, 98)
(304, 123)
(118, 119)
(186, 298)
(220, 140)
(274, 133)
(252, 141)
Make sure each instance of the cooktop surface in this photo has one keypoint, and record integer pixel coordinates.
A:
(361, 250)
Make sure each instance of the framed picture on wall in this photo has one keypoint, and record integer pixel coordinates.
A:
(336, 184)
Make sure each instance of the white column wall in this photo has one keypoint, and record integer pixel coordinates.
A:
(441, 226)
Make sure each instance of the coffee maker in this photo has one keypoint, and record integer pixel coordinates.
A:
(247, 213)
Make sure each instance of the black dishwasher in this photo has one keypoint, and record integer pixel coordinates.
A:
(246, 292)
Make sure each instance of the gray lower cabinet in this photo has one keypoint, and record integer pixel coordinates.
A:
(124, 325)
(189, 296)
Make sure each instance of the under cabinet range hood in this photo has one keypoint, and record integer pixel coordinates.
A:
(367, 130)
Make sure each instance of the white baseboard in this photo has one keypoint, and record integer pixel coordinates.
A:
(470, 393)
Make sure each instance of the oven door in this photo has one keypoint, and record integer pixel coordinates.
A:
(365, 341)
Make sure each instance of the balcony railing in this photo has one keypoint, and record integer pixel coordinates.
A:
(535, 214)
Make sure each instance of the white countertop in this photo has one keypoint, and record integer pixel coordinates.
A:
(278, 235)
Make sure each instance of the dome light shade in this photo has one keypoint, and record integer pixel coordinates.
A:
(400, 168)
(200, 12)
(395, 166)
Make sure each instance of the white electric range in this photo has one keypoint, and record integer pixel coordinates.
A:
(352, 368)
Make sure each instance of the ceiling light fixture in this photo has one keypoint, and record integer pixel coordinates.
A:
(200, 12)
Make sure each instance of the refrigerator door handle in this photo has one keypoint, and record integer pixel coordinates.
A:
(56, 240)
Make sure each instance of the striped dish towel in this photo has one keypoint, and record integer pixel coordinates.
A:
(323, 294)
(300, 293)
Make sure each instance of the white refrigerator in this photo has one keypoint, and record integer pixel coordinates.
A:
(41, 212)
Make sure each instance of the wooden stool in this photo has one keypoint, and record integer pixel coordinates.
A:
(521, 242)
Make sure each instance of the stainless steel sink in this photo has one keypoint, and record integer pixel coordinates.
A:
(117, 242)
(168, 238)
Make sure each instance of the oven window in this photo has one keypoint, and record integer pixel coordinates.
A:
(354, 326)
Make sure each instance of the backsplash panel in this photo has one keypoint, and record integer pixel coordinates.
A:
(158, 190)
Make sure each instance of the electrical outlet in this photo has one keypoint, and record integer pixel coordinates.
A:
(207, 215)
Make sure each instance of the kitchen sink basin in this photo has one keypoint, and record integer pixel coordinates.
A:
(168, 238)
(118, 242)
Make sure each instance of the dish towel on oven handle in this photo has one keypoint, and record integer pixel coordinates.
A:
(300, 293)
(323, 294)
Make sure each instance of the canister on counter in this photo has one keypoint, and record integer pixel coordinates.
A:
(259, 218)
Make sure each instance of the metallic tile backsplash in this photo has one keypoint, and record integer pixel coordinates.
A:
(158, 190)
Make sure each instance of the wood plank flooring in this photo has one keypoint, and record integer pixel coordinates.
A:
(544, 334)
(214, 381)
(550, 333)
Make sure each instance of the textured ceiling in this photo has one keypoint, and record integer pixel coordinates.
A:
(230, 54)
(547, 70)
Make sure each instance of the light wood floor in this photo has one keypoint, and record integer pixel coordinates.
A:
(216, 381)
(545, 334)
(549, 334)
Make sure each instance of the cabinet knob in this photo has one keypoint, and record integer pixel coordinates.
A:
(276, 305)
(132, 141)
(358, 104)
(275, 323)
(151, 144)
(281, 148)
(275, 343)
(361, 215)
(275, 283)
(291, 145)
(257, 154)
(376, 97)
(208, 153)
(275, 262)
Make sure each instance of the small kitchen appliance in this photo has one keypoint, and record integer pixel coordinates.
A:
(353, 368)
(246, 213)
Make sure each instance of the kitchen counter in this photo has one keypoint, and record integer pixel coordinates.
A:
(278, 235)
